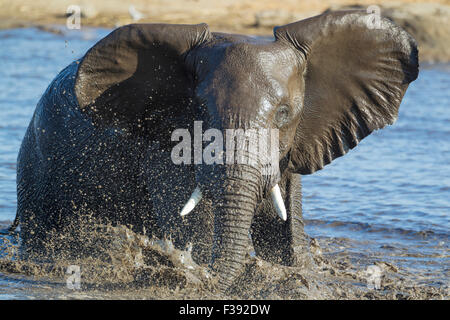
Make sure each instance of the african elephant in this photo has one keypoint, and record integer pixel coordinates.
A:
(99, 144)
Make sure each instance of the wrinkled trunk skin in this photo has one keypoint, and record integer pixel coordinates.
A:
(235, 191)
(235, 205)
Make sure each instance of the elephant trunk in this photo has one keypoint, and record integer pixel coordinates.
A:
(235, 191)
(233, 217)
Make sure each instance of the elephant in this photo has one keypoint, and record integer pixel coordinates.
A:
(99, 145)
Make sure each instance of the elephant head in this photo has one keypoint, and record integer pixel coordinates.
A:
(325, 83)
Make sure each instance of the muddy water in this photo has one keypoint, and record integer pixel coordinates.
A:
(378, 218)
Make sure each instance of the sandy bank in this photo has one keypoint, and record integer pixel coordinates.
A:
(428, 21)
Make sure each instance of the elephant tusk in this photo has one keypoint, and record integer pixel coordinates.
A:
(192, 202)
(278, 202)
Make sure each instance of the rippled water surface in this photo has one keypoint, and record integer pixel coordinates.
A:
(391, 194)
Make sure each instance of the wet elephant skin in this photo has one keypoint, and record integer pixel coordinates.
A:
(98, 148)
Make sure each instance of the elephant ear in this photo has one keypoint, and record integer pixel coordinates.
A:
(356, 72)
(137, 75)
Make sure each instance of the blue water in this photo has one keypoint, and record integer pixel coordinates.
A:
(398, 179)
(393, 190)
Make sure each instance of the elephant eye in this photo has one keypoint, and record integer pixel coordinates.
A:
(281, 115)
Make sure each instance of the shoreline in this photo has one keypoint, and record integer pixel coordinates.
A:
(428, 22)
